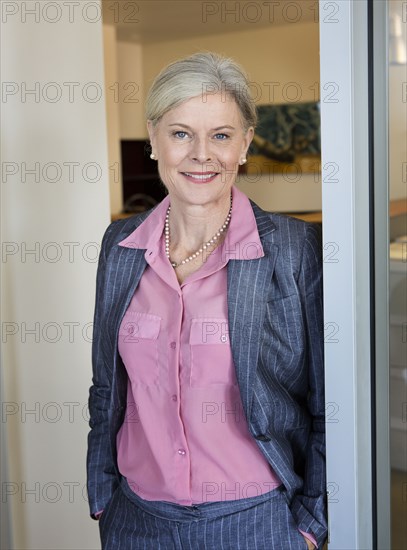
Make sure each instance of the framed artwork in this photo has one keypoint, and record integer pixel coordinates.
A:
(287, 140)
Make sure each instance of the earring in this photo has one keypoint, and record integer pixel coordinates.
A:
(243, 161)
(152, 156)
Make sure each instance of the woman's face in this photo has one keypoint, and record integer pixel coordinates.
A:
(199, 145)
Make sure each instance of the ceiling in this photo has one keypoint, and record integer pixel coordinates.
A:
(146, 21)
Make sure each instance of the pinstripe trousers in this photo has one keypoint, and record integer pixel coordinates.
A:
(263, 522)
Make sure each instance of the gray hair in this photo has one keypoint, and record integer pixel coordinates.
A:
(199, 74)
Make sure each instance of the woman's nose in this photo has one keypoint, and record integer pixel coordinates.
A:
(201, 151)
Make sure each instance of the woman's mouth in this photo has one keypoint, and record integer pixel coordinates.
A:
(200, 177)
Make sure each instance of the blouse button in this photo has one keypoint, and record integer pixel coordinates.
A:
(181, 451)
(174, 397)
(173, 345)
(223, 338)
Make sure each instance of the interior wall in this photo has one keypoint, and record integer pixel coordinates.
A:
(131, 101)
(113, 98)
(55, 207)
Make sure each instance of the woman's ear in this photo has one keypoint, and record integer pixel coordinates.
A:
(248, 139)
(151, 133)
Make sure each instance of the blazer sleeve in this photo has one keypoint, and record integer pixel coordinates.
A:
(309, 507)
(101, 477)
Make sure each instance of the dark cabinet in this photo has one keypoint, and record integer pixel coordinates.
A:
(142, 187)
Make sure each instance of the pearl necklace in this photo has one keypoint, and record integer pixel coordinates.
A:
(203, 247)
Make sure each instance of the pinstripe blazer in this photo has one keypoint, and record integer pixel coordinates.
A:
(276, 334)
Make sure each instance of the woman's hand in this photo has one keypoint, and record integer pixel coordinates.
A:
(309, 543)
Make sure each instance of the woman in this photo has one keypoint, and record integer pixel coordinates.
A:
(207, 404)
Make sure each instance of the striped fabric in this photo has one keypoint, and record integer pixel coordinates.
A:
(263, 523)
(276, 334)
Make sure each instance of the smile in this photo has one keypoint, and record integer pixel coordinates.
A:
(200, 177)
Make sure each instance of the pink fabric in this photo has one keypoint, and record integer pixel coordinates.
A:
(309, 537)
(185, 438)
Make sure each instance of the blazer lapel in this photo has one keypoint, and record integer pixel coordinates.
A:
(128, 267)
(248, 285)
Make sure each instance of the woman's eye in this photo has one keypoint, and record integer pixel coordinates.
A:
(180, 134)
(221, 136)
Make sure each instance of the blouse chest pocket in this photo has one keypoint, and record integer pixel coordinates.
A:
(211, 354)
(138, 347)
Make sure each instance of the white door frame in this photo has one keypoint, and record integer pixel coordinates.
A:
(350, 308)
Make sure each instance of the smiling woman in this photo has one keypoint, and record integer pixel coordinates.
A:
(194, 301)
(199, 146)
(200, 119)
(191, 149)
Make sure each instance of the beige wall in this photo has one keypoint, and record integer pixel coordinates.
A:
(113, 97)
(52, 231)
(124, 104)
(130, 66)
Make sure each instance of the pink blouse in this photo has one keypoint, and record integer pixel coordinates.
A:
(185, 438)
